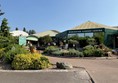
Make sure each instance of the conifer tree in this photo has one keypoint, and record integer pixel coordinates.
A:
(4, 29)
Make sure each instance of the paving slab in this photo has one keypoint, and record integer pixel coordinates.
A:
(102, 69)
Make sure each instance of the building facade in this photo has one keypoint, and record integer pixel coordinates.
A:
(109, 34)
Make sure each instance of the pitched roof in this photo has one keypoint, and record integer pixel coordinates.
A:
(19, 33)
(92, 25)
(50, 33)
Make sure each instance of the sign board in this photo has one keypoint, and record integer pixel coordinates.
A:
(22, 40)
(85, 31)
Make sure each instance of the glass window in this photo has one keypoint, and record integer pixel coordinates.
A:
(81, 34)
(89, 34)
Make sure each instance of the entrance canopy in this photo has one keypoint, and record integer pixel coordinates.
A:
(32, 38)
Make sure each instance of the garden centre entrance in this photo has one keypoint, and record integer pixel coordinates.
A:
(93, 29)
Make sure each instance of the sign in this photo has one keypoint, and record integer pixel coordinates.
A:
(85, 31)
(22, 40)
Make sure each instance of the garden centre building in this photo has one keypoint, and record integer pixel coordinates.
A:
(109, 33)
(34, 38)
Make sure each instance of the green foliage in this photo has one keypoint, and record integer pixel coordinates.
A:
(75, 53)
(31, 32)
(24, 29)
(99, 37)
(4, 29)
(64, 52)
(57, 53)
(21, 62)
(88, 47)
(30, 61)
(68, 53)
(91, 51)
(91, 41)
(2, 52)
(72, 41)
(88, 51)
(13, 50)
(51, 49)
(16, 28)
(80, 54)
(6, 41)
(45, 40)
(41, 63)
(75, 37)
(83, 41)
(98, 53)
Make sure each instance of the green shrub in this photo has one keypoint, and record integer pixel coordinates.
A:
(91, 41)
(72, 52)
(89, 47)
(73, 41)
(99, 37)
(57, 53)
(51, 49)
(2, 52)
(6, 41)
(12, 51)
(45, 40)
(30, 61)
(65, 52)
(83, 41)
(75, 37)
(34, 58)
(90, 51)
(21, 62)
(44, 63)
(80, 54)
(69, 53)
(98, 53)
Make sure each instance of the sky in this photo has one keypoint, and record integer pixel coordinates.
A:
(60, 15)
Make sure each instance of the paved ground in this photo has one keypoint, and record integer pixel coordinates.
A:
(101, 70)
(79, 76)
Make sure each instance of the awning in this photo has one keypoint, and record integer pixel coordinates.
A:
(32, 38)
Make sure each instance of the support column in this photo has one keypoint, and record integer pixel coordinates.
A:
(114, 42)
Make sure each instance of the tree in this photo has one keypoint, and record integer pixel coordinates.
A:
(5, 28)
(24, 29)
(31, 32)
(1, 13)
(17, 28)
(45, 40)
(99, 37)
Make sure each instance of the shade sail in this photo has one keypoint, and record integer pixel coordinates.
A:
(32, 38)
